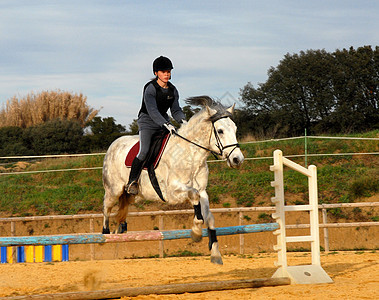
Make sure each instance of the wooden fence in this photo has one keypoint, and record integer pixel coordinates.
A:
(239, 214)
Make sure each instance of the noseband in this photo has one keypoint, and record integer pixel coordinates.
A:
(219, 144)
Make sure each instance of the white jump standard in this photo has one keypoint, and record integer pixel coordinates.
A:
(304, 274)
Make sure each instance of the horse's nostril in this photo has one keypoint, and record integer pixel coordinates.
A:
(236, 161)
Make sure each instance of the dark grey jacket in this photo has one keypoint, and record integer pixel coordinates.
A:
(153, 113)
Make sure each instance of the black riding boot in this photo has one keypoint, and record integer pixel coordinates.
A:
(135, 172)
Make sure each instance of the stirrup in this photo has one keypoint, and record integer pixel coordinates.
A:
(132, 188)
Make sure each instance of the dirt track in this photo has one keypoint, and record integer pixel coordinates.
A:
(355, 275)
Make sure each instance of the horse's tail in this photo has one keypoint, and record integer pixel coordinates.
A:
(123, 205)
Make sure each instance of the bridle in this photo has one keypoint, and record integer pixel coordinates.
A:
(219, 144)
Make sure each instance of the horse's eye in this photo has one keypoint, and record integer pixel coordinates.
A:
(220, 131)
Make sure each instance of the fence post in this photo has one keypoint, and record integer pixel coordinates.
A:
(326, 232)
(92, 246)
(242, 237)
(14, 249)
(305, 148)
(161, 243)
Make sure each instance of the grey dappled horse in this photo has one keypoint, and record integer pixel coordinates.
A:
(182, 172)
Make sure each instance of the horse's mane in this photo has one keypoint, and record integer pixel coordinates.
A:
(206, 101)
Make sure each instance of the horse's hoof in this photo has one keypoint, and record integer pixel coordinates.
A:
(106, 231)
(215, 254)
(196, 238)
(216, 260)
(122, 228)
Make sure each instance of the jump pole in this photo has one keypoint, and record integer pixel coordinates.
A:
(180, 288)
(131, 236)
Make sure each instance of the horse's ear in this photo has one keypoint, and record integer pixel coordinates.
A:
(231, 109)
(211, 111)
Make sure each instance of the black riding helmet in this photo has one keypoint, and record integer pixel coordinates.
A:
(162, 64)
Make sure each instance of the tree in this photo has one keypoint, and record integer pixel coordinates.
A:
(317, 91)
(297, 91)
(189, 112)
(133, 128)
(104, 132)
(356, 85)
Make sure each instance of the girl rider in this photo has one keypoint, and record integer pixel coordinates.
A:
(159, 95)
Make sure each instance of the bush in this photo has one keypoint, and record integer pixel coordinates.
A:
(11, 142)
(364, 187)
(55, 137)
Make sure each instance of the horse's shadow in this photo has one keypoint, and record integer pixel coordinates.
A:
(341, 269)
(333, 270)
(246, 273)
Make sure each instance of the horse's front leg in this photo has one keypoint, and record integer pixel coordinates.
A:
(210, 223)
(198, 219)
(183, 193)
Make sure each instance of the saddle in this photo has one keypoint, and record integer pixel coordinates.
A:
(157, 146)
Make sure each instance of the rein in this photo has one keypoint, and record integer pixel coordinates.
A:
(218, 142)
(202, 147)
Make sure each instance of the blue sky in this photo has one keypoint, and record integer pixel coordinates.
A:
(104, 49)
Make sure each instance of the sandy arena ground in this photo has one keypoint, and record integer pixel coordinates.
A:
(355, 275)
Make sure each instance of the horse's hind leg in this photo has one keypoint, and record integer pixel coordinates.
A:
(109, 203)
(124, 201)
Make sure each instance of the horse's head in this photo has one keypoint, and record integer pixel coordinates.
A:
(223, 139)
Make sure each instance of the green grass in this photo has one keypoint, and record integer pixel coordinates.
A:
(56, 192)
(341, 179)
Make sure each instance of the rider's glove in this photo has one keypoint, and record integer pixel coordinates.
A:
(171, 129)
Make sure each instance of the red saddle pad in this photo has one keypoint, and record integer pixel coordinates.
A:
(135, 149)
